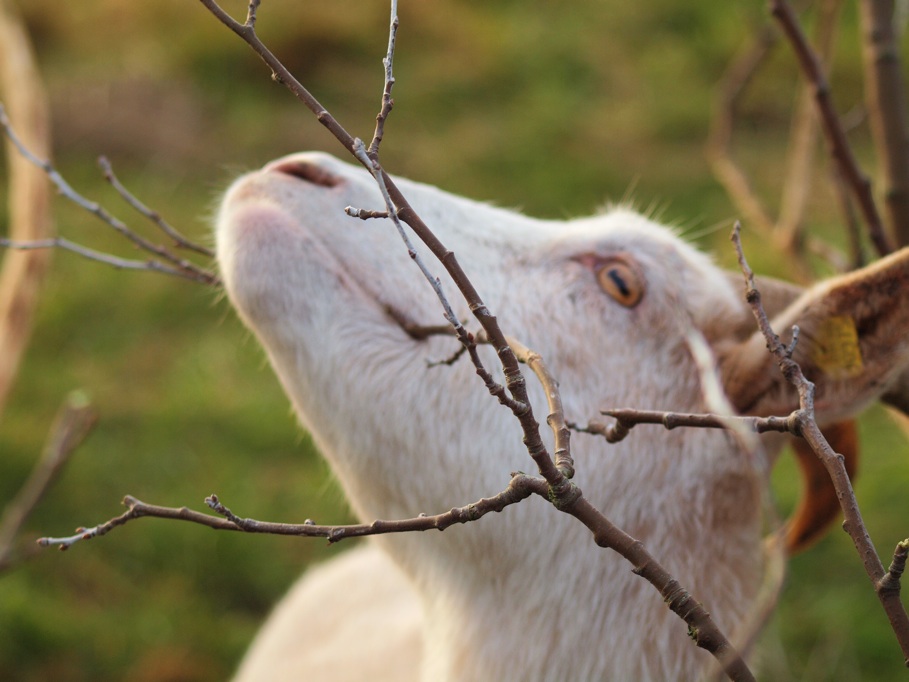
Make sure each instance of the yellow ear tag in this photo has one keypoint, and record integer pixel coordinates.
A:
(836, 351)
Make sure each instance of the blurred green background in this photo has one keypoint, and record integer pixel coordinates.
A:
(549, 106)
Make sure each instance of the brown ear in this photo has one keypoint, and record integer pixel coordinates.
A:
(818, 505)
(853, 344)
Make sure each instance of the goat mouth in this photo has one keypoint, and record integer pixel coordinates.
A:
(308, 172)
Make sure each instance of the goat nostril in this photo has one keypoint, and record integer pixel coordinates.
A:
(307, 171)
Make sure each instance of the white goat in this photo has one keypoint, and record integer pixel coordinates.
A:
(607, 301)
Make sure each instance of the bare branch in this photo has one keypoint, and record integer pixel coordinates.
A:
(626, 419)
(152, 215)
(803, 141)
(387, 101)
(172, 264)
(400, 209)
(556, 418)
(719, 141)
(378, 173)
(806, 427)
(830, 123)
(72, 425)
(701, 626)
(518, 489)
(149, 265)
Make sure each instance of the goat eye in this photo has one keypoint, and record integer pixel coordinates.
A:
(621, 280)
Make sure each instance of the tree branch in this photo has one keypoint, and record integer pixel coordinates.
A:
(626, 419)
(401, 209)
(387, 101)
(789, 230)
(155, 217)
(169, 263)
(701, 627)
(735, 79)
(72, 425)
(830, 123)
(149, 265)
(556, 487)
(806, 427)
(518, 489)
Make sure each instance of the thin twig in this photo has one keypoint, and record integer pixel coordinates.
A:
(518, 489)
(155, 217)
(402, 210)
(701, 626)
(891, 580)
(556, 418)
(806, 427)
(789, 230)
(830, 123)
(733, 83)
(387, 101)
(149, 265)
(72, 425)
(627, 418)
(378, 173)
(364, 214)
(177, 266)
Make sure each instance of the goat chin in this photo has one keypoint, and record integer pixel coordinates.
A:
(524, 595)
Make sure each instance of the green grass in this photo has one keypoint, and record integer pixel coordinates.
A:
(536, 105)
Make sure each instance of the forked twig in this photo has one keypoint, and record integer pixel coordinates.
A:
(555, 486)
(806, 427)
(785, 228)
(169, 263)
(180, 240)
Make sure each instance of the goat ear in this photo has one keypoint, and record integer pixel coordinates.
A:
(818, 505)
(853, 344)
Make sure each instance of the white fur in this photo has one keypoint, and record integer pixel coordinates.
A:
(522, 595)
